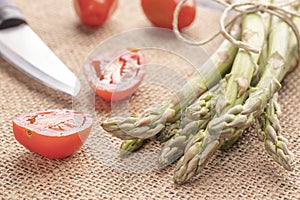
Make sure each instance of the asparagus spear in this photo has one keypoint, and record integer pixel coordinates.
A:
(262, 62)
(197, 116)
(275, 144)
(270, 130)
(203, 107)
(293, 62)
(205, 143)
(193, 111)
(263, 59)
(153, 120)
(240, 117)
(169, 131)
(129, 146)
(279, 64)
(199, 110)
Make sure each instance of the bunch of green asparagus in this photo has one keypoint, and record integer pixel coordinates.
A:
(212, 113)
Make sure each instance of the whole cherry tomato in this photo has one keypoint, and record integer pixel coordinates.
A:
(94, 12)
(115, 75)
(53, 133)
(160, 12)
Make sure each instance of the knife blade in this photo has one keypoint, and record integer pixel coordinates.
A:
(24, 49)
(210, 4)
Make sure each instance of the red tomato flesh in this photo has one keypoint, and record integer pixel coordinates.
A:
(53, 133)
(160, 12)
(115, 76)
(94, 12)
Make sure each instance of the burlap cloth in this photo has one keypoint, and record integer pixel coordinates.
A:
(243, 172)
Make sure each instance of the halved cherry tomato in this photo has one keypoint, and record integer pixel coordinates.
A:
(94, 12)
(53, 133)
(115, 76)
(160, 12)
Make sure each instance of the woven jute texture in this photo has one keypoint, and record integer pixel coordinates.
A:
(94, 172)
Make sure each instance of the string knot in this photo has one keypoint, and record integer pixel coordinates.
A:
(263, 7)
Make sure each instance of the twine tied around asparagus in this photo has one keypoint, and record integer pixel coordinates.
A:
(281, 10)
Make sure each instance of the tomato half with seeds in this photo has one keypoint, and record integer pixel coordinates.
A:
(54, 133)
(160, 12)
(116, 75)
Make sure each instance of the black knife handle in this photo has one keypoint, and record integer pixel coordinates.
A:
(10, 15)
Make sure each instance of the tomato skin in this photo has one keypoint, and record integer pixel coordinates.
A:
(114, 60)
(94, 12)
(160, 12)
(50, 146)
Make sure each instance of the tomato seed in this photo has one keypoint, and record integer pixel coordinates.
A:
(29, 133)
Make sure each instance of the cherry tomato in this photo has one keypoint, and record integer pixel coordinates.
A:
(53, 133)
(94, 12)
(115, 76)
(160, 12)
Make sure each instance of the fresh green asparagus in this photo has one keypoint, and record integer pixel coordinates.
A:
(202, 108)
(216, 120)
(153, 120)
(169, 131)
(293, 60)
(205, 102)
(129, 146)
(205, 143)
(241, 117)
(270, 131)
(197, 116)
(262, 62)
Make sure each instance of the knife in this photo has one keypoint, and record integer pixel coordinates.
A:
(21, 47)
(210, 4)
